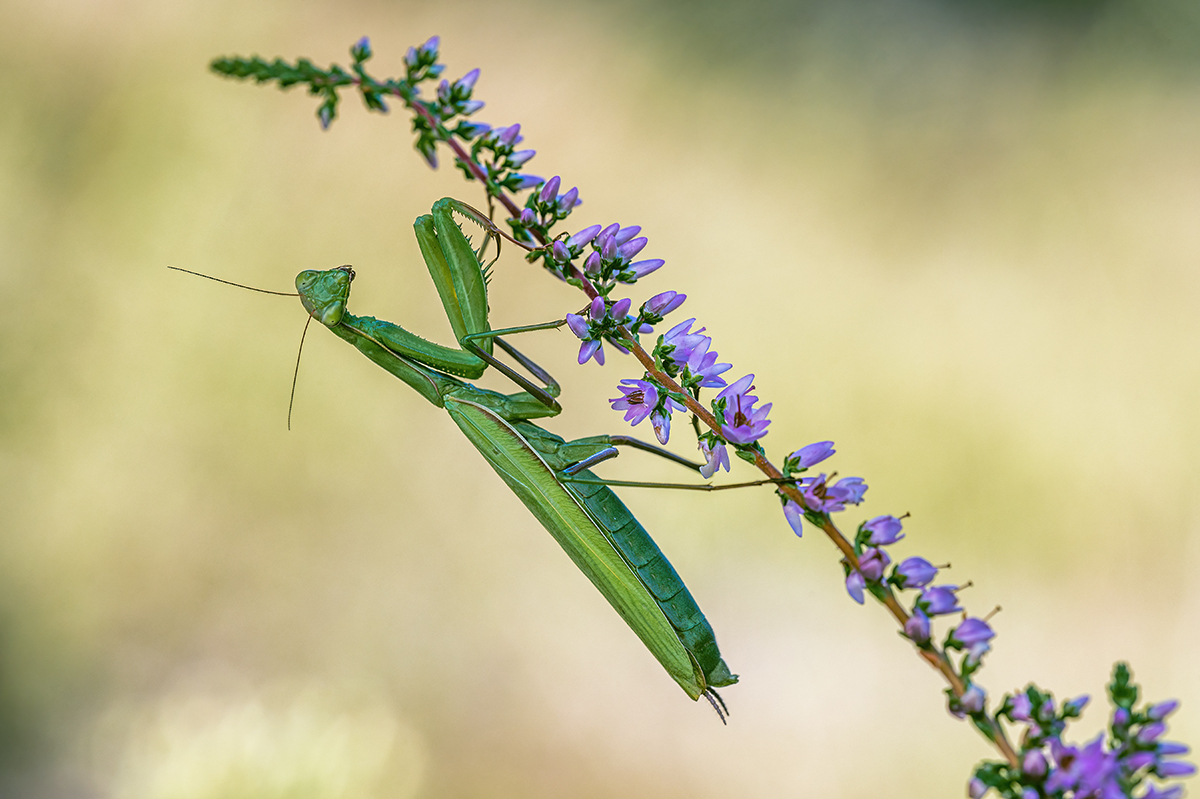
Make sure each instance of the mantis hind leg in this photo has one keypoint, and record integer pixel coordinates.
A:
(546, 393)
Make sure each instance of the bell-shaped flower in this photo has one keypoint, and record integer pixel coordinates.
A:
(638, 399)
(914, 573)
(716, 457)
(884, 530)
(742, 423)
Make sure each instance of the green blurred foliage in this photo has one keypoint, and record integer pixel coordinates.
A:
(957, 238)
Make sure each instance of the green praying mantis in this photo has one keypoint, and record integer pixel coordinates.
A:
(548, 474)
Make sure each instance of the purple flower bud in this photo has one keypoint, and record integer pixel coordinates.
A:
(1034, 763)
(1022, 708)
(443, 91)
(939, 600)
(550, 190)
(362, 48)
(632, 248)
(608, 249)
(917, 627)
(715, 458)
(972, 631)
(872, 562)
(518, 159)
(1163, 709)
(591, 264)
(813, 454)
(795, 517)
(524, 181)
(884, 530)
(662, 304)
(1030, 793)
(976, 652)
(583, 237)
(1138, 760)
(623, 235)
(469, 130)
(638, 399)
(591, 349)
(1170, 748)
(1151, 732)
(568, 201)
(432, 45)
(661, 420)
(325, 115)
(410, 58)
(578, 325)
(607, 233)
(855, 585)
(915, 573)
(471, 106)
(976, 789)
(510, 135)
(620, 309)
(527, 217)
(597, 309)
(1120, 718)
(559, 250)
(973, 700)
(467, 82)
(642, 268)
(1154, 792)
(1175, 768)
(1077, 704)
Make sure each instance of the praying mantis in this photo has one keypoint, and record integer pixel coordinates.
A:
(548, 474)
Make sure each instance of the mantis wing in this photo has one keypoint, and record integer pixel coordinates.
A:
(534, 482)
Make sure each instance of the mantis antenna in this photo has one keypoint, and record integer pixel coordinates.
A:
(296, 374)
(239, 285)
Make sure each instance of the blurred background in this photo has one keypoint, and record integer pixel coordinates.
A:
(958, 238)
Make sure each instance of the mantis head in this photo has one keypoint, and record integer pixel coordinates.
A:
(324, 294)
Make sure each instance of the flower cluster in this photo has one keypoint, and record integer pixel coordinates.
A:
(598, 259)
(1115, 766)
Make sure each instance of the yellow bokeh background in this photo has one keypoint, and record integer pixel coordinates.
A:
(961, 240)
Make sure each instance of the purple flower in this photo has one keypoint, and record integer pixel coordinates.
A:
(638, 399)
(973, 700)
(1034, 763)
(1077, 704)
(466, 82)
(872, 562)
(1167, 748)
(683, 340)
(884, 530)
(519, 158)
(976, 789)
(510, 136)
(521, 182)
(1120, 718)
(550, 190)
(716, 457)
(560, 252)
(1151, 732)
(643, 268)
(469, 130)
(832, 498)
(1021, 708)
(576, 242)
(976, 652)
(1163, 709)
(795, 517)
(849, 490)
(1138, 761)
(1090, 772)
(661, 419)
(972, 631)
(914, 573)
(812, 454)
(431, 46)
(855, 585)
(939, 600)
(1030, 793)
(568, 201)
(917, 628)
(1175, 768)
(662, 304)
(742, 422)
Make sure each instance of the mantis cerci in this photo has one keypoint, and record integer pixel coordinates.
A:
(546, 472)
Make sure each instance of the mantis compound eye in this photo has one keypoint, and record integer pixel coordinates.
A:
(349, 270)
